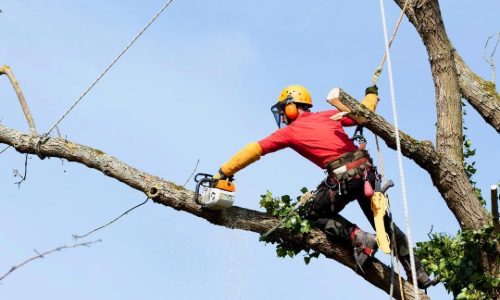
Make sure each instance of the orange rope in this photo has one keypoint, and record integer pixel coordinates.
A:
(378, 71)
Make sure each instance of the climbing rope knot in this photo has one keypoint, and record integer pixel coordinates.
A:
(41, 140)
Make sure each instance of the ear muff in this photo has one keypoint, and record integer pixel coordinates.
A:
(291, 111)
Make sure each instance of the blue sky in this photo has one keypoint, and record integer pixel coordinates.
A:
(204, 67)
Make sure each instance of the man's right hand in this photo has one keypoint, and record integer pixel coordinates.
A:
(219, 175)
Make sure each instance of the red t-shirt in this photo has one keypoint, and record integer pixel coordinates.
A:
(314, 136)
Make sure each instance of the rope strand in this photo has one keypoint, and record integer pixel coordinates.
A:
(378, 71)
(398, 146)
(109, 67)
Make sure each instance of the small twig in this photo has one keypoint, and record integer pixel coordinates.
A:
(76, 237)
(7, 71)
(192, 173)
(4, 149)
(429, 234)
(16, 172)
(490, 61)
(58, 132)
(45, 253)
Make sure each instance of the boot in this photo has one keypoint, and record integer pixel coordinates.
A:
(365, 245)
(423, 280)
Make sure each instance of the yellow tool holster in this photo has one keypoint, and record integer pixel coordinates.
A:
(379, 205)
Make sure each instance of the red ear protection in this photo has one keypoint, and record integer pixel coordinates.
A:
(291, 111)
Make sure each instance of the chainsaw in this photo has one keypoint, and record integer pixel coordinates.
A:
(217, 193)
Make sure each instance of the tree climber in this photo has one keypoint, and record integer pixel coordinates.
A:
(325, 143)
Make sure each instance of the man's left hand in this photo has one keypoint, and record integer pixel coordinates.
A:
(371, 90)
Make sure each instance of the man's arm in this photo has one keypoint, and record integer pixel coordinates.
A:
(370, 101)
(253, 151)
(246, 156)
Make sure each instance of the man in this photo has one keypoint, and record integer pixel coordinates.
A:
(325, 143)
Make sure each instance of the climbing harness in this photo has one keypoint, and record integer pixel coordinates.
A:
(44, 137)
(358, 136)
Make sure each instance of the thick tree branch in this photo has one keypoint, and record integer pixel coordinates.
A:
(480, 94)
(175, 196)
(5, 70)
(448, 176)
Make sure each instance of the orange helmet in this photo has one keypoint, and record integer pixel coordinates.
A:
(286, 102)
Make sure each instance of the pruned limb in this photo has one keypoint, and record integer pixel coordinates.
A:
(175, 196)
(448, 176)
(5, 70)
(40, 255)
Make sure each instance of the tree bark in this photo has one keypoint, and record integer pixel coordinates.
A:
(480, 94)
(425, 15)
(172, 195)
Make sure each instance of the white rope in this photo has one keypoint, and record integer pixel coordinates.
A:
(109, 67)
(400, 161)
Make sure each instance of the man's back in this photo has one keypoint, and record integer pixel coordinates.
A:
(314, 136)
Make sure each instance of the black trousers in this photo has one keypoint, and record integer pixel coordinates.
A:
(331, 200)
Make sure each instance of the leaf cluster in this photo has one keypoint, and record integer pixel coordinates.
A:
(292, 219)
(456, 260)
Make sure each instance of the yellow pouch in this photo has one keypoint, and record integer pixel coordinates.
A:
(379, 204)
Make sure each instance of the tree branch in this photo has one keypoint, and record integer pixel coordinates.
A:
(448, 176)
(5, 70)
(45, 253)
(172, 195)
(490, 61)
(480, 94)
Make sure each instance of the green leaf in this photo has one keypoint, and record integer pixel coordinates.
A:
(307, 259)
(305, 226)
(303, 190)
(433, 267)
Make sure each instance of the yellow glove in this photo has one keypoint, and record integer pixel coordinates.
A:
(249, 154)
(219, 175)
(371, 98)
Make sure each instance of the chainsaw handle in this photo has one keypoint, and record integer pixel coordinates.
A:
(199, 183)
(202, 174)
